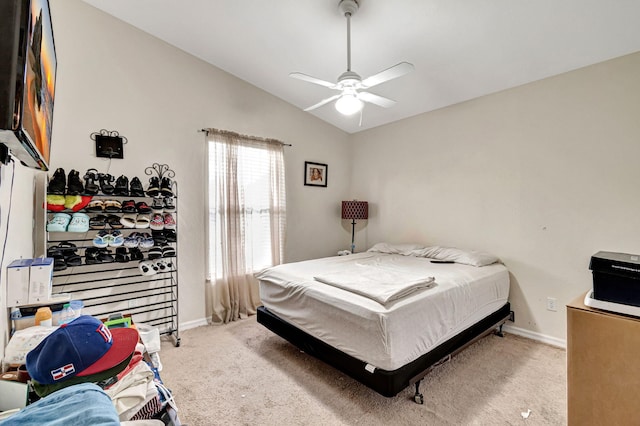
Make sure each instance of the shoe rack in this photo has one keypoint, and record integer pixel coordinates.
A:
(111, 287)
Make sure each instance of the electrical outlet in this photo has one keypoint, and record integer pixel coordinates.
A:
(552, 304)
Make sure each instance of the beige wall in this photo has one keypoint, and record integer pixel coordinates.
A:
(113, 76)
(544, 175)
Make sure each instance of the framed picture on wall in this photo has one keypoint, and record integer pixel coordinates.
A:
(315, 174)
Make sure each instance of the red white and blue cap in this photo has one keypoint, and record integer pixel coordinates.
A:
(82, 347)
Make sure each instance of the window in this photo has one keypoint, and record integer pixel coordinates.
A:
(246, 204)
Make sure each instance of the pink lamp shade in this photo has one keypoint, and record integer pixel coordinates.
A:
(355, 210)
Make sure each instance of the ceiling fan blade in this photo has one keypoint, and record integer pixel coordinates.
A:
(323, 102)
(395, 71)
(376, 99)
(313, 80)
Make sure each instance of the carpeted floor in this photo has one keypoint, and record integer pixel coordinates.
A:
(242, 374)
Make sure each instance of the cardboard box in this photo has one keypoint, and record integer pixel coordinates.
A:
(18, 282)
(40, 278)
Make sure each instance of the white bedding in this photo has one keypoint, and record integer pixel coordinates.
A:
(385, 336)
(379, 281)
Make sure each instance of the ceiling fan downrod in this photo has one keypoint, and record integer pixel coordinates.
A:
(348, 8)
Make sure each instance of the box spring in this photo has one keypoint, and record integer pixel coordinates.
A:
(386, 383)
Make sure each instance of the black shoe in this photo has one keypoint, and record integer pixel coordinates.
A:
(154, 187)
(155, 252)
(69, 252)
(90, 185)
(74, 184)
(122, 186)
(170, 235)
(104, 256)
(105, 183)
(168, 251)
(136, 254)
(58, 260)
(121, 255)
(159, 237)
(58, 183)
(91, 256)
(165, 187)
(114, 221)
(136, 188)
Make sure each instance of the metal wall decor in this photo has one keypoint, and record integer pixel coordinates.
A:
(160, 170)
(109, 143)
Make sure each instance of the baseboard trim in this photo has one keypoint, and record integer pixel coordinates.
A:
(195, 323)
(549, 340)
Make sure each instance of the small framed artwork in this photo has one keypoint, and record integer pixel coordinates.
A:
(315, 174)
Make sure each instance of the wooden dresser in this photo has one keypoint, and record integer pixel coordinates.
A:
(603, 367)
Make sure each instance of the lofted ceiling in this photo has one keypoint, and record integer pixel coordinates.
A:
(461, 49)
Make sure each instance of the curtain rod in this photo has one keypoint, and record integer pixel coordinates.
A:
(250, 137)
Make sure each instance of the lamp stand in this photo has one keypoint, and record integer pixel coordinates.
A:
(353, 233)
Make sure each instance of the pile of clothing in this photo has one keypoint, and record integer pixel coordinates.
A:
(87, 374)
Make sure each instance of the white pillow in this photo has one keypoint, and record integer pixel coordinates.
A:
(405, 249)
(467, 257)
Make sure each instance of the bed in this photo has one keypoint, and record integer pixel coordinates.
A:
(426, 304)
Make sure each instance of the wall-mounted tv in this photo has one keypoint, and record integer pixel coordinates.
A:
(27, 80)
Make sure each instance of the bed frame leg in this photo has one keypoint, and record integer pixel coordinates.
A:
(499, 332)
(418, 398)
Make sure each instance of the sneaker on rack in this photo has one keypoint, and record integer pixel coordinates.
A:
(170, 235)
(166, 187)
(74, 184)
(135, 187)
(121, 255)
(58, 183)
(153, 190)
(169, 205)
(159, 237)
(122, 186)
(154, 252)
(169, 221)
(135, 254)
(145, 241)
(157, 222)
(132, 241)
(157, 206)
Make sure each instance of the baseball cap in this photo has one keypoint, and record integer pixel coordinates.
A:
(82, 347)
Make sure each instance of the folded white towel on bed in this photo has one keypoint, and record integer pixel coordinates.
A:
(379, 284)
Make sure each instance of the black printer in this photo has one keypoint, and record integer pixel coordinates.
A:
(616, 277)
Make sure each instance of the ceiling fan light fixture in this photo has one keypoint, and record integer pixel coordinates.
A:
(349, 104)
(351, 86)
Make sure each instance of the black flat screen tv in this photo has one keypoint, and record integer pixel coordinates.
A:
(27, 80)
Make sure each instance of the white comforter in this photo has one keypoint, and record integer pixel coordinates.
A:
(371, 278)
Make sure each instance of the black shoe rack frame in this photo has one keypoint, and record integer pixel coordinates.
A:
(119, 287)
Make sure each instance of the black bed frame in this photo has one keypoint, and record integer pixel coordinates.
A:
(386, 383)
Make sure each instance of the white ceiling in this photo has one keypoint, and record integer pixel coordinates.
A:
(461, 49)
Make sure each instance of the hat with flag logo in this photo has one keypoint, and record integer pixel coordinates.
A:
(82, 347)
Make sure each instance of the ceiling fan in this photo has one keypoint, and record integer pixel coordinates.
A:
(351, 86)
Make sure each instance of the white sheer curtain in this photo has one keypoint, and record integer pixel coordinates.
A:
(246, 219)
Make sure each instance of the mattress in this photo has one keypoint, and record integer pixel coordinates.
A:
(384, 336)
